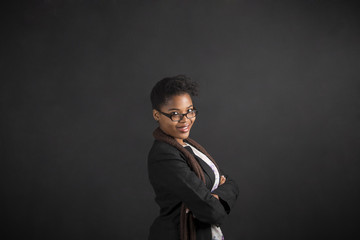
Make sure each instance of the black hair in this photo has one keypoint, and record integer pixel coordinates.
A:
(170, 86)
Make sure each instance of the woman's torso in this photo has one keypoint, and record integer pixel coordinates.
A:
(166, 225)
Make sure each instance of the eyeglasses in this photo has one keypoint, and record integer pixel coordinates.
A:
(177, 117)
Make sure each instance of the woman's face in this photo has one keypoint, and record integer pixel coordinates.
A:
(180, 104)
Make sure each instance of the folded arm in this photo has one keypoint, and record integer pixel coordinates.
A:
(170, 173)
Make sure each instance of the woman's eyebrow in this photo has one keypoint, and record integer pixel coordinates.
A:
(177, 108)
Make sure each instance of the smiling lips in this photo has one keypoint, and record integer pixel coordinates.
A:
(184, 128)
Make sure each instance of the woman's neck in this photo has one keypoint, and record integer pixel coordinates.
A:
(180, 141)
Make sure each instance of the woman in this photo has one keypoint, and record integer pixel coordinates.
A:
(194, 195)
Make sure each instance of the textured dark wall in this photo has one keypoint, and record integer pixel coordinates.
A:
(279, 109)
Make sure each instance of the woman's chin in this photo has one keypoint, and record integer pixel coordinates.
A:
(184, 135)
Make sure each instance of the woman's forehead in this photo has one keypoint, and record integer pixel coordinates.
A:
(181, 101)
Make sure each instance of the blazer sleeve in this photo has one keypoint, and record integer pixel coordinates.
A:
(169, 172)
(228, 193)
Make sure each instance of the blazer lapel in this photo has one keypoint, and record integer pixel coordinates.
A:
(206, 168)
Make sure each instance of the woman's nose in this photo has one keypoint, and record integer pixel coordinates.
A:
(184, 119)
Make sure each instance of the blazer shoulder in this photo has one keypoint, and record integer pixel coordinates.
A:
(160, 149)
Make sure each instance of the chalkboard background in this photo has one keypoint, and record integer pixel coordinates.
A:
(279, 110)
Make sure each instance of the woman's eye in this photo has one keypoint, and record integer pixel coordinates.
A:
(174, 113)
(190, 110)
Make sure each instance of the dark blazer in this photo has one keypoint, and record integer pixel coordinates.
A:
(174, 182)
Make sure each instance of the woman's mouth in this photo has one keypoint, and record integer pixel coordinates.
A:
(184, 129)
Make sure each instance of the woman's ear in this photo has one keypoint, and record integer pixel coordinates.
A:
(156, 115)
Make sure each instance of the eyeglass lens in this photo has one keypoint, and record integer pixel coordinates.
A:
(178, 117)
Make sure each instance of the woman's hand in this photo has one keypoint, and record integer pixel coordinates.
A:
(222, 179)
(216, 196)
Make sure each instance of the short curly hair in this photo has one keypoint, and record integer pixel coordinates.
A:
(170, 86)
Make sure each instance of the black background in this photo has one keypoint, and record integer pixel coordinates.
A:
(279, 110)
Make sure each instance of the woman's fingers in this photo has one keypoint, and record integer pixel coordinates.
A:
(216, 196)
(222, 179)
